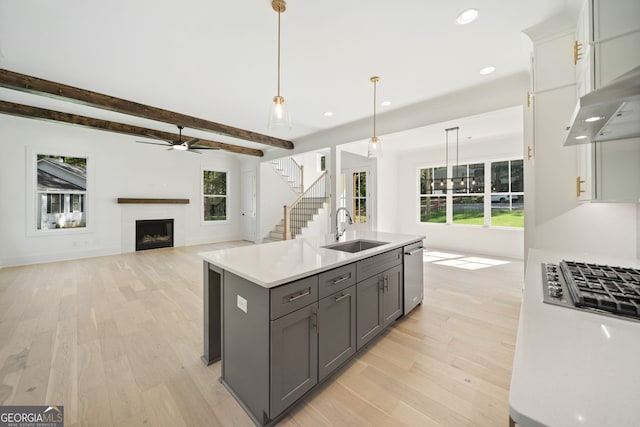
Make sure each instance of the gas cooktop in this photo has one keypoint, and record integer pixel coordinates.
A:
(612, 291)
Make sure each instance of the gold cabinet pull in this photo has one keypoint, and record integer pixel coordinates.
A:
(579, 189)
(577, 52)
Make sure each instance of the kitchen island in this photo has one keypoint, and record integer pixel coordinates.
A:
(283, 316)
(573, 367)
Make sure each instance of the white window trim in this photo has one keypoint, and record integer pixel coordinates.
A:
(449, 195)
(31, 181)
(202, 195)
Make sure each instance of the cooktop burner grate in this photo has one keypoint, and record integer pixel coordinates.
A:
(606, 289)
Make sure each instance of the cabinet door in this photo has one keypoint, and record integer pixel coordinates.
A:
(369, 309)
(392, 295)
(336, 330)
(294, 357)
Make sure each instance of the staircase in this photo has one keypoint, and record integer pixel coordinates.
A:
(291, 172)
(301, 215)
(298, 215)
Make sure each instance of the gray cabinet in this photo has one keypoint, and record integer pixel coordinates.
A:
(379, 303)
(369, 309)
(336, 330)
(294, 357)
(392, 295)
(279, 343)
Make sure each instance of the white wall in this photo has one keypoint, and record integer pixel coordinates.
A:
(119, 167)
(400, 211)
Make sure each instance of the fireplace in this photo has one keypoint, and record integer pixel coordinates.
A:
(154, 233)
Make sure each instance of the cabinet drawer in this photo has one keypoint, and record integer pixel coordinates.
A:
(336, 280)
(377, 264)
(292, 296)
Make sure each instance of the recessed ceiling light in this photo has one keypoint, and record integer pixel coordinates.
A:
(593, 119)
(385, 103)
(581, 137)
(487, 70)
(327, 114)
(467, 16)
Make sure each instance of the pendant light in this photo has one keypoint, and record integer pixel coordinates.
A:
(279, 116)
(375, 148)
(453, 177)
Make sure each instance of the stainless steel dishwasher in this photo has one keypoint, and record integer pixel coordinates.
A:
(413, 277)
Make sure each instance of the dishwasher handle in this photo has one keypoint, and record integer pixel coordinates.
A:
(415, 251)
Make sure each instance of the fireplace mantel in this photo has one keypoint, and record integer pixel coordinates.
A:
(140, 200)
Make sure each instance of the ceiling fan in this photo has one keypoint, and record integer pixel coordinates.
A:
(181, 145)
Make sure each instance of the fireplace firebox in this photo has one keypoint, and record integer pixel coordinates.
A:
(154, 233)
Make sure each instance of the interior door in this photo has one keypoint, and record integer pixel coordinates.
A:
(248, 207)
(356, 197)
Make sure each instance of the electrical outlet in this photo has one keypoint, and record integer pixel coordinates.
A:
(242, 304)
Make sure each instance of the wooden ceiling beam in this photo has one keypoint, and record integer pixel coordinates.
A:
(28, 111)
(38, 86)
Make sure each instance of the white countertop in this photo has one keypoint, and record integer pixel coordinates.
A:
(272, 264)
(571, 367)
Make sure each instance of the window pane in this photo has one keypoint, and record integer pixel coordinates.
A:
(360, 216)
(433, 209)
(425, 176)
(476, 178)
(500, 177)
(517, 176)
(460, 179)
(214, 189)
(440, 177)
(215, 208)
(215, 183)
(507, 211)
(468, 210)
(362, 188)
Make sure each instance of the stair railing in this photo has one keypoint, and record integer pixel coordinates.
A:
(290, 169)
(294, 217)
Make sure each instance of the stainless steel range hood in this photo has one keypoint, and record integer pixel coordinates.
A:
(609, 113)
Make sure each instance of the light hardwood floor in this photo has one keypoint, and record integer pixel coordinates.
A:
(117, 340)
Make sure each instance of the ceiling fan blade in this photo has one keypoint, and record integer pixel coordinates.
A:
(152, 143)
(193, 150)
(192, 141)
(204, 147)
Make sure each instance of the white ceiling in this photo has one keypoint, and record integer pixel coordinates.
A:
(217, 59)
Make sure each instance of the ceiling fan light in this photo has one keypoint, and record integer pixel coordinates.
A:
(180, 147)
(467, 16)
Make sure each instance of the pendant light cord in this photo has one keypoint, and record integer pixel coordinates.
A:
(375, 84)
(279, 13)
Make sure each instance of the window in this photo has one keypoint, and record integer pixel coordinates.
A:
(433, 190)
(463, 193)
(507, 193)
(468, 205)
(214, 193)
(359, 197)
(61, 192)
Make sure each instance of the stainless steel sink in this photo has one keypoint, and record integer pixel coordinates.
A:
(354, 246)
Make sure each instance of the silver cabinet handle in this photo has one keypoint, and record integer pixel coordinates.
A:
(291, 299)
(314, 320)
(341, 297)
(415, 251)
(386, 283)
(340, 279)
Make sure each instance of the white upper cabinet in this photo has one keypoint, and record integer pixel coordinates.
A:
(616, 38)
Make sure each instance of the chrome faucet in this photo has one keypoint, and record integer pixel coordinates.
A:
(338, 232)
